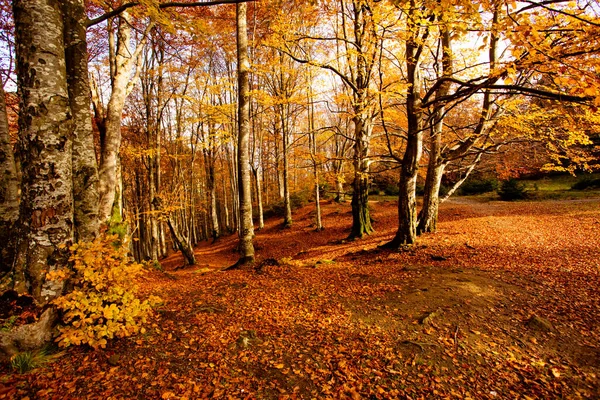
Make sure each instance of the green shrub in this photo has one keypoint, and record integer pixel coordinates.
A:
(103, 303)
(511, 190)
(587, 182)
(478, 186)
(27, 360)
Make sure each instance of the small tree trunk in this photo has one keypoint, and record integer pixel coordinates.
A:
(181, 241)
(287, 218)
(340, 195)
(9, 190)
(212, 193)
(257, 177)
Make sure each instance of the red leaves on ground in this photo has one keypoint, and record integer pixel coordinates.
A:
(326, 318)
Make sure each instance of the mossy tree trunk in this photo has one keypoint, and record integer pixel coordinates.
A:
(46, 127)
(361, 219)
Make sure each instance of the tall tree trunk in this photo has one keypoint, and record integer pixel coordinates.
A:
(244, 184)
(85, 169)
(407, 199)
(45, 149)
(427, 220)
(9, 190)
(287, 207)
(122, 65)
(313, 155)
(361, 219)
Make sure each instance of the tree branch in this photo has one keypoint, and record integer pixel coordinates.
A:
(119, 10)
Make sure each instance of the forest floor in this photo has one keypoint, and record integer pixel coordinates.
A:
(501, 303)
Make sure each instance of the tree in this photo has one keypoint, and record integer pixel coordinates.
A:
(244, 184)
(45, 225)
(9, 189)
(85, 169)
(357, 42)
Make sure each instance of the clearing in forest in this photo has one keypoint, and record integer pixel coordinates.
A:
(501, 302)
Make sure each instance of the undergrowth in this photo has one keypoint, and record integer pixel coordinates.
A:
(103, 303)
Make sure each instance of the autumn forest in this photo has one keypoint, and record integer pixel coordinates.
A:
(267, 199)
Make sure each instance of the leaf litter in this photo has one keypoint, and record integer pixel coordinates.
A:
(321, 317)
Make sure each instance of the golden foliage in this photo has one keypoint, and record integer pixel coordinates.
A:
(103, 303)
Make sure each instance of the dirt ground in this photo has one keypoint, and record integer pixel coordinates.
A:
(501, 303)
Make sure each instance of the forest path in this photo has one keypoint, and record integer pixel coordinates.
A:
(501, 302)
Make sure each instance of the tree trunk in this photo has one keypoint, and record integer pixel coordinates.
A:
(427, 220)
(257, 178)
(45, 149)
(212, 193)
(361, 219)
(9, 191)
(407, 199)
(122, 63)
(181, 241)
(287, 217)
(244, 184)
(313, 154)
(85, 169)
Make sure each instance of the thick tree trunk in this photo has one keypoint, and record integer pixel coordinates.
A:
(435, 169)
(244, 185)
(361, 219)
(85, 169)
(9, 191)
(407, 201)
(428, 216)
(45, 147)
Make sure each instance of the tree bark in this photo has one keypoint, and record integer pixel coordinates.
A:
(361, 219)
(122, 64)
(287, 217)
(244, 184)
(427, 220)
(407, 200)
(259, 197)
(9, 190)
(45, 149)
(85, 169)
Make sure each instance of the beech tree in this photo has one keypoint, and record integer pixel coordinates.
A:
(46, 223)
(244, 183)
